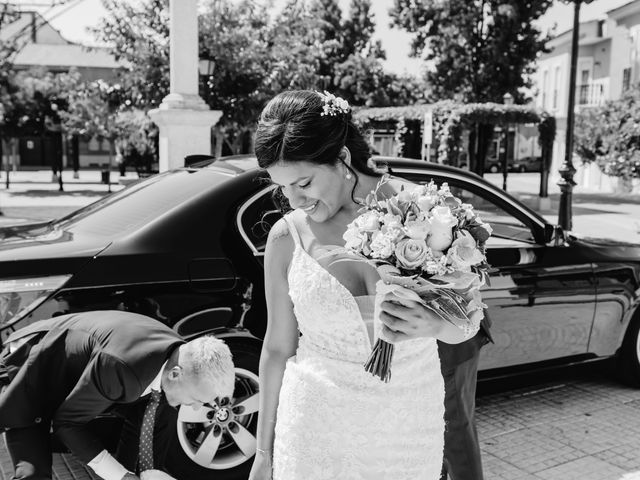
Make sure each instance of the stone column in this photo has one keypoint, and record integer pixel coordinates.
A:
(183, 117)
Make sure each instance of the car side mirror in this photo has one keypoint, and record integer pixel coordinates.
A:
(553, 232)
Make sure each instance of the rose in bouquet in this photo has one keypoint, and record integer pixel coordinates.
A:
(428, 246)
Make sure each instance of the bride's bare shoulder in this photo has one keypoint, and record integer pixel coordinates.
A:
(280, 243)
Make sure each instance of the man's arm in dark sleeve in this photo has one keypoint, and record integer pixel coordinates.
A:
(105, 381)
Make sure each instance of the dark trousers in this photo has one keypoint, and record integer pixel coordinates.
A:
(461, 448)
(30, 452)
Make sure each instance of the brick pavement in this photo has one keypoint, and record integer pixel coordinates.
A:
(574, 429)
(582, 426)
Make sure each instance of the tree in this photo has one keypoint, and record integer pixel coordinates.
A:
(610, 136)
(478, 51)
(138, 33)
(255, 54)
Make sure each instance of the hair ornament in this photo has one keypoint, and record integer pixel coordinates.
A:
(333, 105)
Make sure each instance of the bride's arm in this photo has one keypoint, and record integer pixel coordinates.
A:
(281, 338)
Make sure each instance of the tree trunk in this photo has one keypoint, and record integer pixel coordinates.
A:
(485, 137)
(219, 142)
(472, 145)
(544, 171)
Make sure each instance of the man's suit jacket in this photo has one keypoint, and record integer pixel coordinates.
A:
(76, 367)
(453, 355)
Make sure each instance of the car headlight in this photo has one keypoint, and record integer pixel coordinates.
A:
(20, 296)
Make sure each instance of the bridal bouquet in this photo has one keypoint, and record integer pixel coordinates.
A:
(427, 246)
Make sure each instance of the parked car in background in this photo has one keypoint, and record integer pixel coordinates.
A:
(186, 247)
(527, 164)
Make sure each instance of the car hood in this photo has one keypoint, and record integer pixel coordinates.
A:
(42, 241)
(608, 248)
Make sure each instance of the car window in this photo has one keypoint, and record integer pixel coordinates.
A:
(504, 224)
(261, 212)
(506, 228)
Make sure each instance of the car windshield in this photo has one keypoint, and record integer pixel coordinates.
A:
(139, 204)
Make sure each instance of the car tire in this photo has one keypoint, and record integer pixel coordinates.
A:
(494, 169)
(629, 358)
(181, 465)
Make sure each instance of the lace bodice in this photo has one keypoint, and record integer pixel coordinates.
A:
(334, 419)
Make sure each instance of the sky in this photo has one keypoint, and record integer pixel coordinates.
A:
(73, 18)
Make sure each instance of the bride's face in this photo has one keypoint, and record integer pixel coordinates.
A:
(319, 190)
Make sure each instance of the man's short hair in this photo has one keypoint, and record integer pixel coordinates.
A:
(209, 359)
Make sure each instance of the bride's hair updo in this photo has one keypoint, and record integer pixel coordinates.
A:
(304, 126)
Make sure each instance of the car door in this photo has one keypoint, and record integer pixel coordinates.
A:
(541, 298)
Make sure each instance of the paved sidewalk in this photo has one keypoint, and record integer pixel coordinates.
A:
(581, 426)
(577, 428)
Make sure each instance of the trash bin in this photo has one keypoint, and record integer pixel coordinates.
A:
(105, 176)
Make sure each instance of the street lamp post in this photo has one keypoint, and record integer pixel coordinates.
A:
(206, 67)
(507, 99)
(567, 170)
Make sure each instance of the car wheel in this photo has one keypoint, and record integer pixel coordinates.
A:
(629, 359)
(494, 169)
(220, 442)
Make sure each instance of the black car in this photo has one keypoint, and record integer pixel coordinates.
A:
(186, 247)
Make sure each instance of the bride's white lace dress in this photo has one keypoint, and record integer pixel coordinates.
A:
(336, 421)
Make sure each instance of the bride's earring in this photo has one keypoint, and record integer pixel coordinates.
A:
(348, 176)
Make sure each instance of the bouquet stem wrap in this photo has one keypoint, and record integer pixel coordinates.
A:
(379, 362)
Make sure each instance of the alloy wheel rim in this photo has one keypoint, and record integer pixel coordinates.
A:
(222, 436)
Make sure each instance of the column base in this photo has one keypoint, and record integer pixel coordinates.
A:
(183, 132)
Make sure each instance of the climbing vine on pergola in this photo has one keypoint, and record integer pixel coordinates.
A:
(451, 119)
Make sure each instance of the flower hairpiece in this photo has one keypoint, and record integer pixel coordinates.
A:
(333, 105)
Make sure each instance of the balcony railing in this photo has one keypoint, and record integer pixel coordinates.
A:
(593, 93)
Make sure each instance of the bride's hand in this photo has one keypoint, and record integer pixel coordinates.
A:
(262, 468)
(404, 319)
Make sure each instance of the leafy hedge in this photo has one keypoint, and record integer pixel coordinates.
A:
(610, 136)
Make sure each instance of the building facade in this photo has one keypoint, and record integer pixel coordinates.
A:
(608, 64)
(39, 45)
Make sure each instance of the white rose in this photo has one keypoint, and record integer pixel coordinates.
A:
(355, 239)
(392, 221)
(411, 253)
(418, 229)
(381, 245)
(404, 196)
(442, 223)
(427, 202)
(368, 221)
(464, 252)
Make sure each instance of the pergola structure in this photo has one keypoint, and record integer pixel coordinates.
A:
(450, 119)
(183, 117)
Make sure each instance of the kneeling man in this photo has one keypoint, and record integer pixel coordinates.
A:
(63, 372)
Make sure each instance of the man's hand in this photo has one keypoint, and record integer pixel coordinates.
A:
(130, 476)
(154, 474)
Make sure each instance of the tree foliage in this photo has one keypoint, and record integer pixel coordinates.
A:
(257, 52)
(610, 136)
(479, 49)
(138, 33)
(476, 51)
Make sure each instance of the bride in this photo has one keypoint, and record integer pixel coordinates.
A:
(322, 416)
